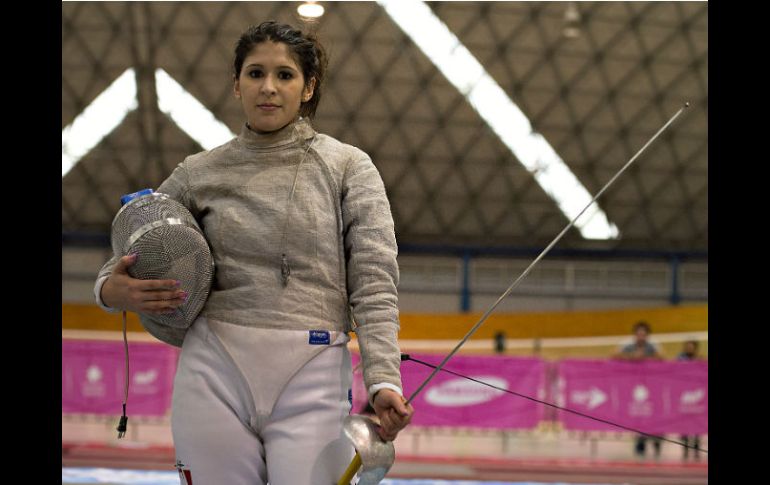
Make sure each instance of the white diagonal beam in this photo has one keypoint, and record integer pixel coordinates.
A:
(110, 108)
(189, 114)
(502, 115)
(98, 120)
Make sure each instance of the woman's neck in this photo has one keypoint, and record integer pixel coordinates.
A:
(260, 132)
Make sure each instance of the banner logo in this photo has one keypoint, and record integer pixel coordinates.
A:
(460, 392)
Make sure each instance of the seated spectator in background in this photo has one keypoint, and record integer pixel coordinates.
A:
(690, 352)
(641, 349)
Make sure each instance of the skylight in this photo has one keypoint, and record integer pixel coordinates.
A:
(189, 114)
(98, 120)
(502, 115)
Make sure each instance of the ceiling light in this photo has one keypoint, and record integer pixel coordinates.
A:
(571, 21)
(310, 10)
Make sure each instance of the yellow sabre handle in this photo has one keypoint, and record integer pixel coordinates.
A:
(351, 471)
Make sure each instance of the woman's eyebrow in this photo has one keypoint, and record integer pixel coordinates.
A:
(279, 67)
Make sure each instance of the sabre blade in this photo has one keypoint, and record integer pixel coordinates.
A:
(542, 254)
(354, 465)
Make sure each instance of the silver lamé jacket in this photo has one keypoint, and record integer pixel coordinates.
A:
(336, 231)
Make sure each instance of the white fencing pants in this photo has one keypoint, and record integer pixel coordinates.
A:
(221, 435)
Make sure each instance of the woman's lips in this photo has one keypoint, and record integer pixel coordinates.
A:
(268, 107)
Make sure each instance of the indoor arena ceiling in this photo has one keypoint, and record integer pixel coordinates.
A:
(596, 96)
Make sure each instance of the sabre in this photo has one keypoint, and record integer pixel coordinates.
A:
(373, 474)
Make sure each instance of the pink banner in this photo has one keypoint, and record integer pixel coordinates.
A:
(93, 378)
(449, 400)
(650, 396)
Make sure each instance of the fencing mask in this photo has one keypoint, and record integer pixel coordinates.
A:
(170, 245)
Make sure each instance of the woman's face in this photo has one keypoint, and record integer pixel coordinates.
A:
(271, 87)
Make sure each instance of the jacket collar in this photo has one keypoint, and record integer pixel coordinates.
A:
(295, 132)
